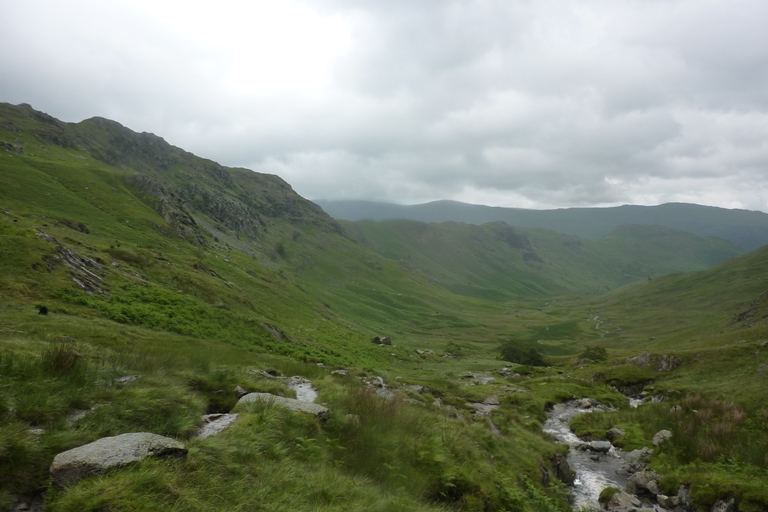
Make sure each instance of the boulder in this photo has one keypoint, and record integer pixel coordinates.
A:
(643, 359)
(599, 446)
(622, 502)
(668, 363)
(614, 434)
(669, 502)
(661, 436)
(107, 453)
(318, 411)
(644, 482)
(240, 391)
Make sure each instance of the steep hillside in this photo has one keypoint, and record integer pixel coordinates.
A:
(747, 229)
(498, 261)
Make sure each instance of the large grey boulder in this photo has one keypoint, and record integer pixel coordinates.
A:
(107, 453)
(292, 404)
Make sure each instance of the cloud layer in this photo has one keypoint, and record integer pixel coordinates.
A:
(529, 103)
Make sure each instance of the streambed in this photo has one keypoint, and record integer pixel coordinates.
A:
(594, 470)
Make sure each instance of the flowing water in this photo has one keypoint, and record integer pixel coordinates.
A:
(303, 388)
(594, 471)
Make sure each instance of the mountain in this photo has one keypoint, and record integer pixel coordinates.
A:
(747, 229)
(144, 289)
(499, 262)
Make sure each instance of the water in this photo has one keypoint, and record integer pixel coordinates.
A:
(592, 476)
(303, 388)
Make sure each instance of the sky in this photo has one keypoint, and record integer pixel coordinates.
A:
(516, 103)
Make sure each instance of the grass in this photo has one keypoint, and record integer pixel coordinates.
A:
(275, 286)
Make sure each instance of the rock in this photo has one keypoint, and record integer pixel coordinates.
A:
(622, 502)
(614, 433)
(644, 482)
(562, 469)
(661, 436)
(240, 391)
(341, 373)
(492, 400)
(675, 408)
(599, 446)
(386, 341)
(376, 340)
(639, 457)
(728, 505)
(318, 411)
(669, 502)
(585, 403)
(668, 363)
(215, 424)
(127, 379)
(684, 496)
(643, 359)
(111, 452)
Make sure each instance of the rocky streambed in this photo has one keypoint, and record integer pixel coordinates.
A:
(599, 464)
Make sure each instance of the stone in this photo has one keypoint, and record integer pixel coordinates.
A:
(239, 391)
(108, 453)
(341, 373)
(643, 359)
(614, 433)
(668, 363)
(215, 424)
(644, 482)
(386, 340)
(669, 502)
(600, 446)
(316, 410)
(622, 502)
(684, 496)
(562, 469)
(639, 456)
(127, 379)
(728, 505)
(661, 436)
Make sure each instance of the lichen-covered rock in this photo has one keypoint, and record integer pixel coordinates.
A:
(292, 404)
(100, 456)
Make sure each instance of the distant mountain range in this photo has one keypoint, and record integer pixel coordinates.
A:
(744, 228)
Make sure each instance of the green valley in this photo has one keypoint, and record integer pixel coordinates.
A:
(143, 288)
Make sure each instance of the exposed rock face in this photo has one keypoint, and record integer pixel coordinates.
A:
(111, 452)
(86, 272)
(292, 404)
(662, 363)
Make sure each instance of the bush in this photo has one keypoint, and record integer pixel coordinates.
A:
(522, 353)
(594, 354)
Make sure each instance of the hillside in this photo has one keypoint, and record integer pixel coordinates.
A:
(746, 229)
(171, 285)
(497, 261)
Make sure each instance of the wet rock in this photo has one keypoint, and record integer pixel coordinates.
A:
(215, 424)
(661, 436)
(111, 452)
(318, 411)
(562, 469)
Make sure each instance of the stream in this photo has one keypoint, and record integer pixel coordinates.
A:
(595, 470)
(303, 388)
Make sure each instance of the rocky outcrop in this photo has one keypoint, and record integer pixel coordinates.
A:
(109, 453)
(86, 272)
(318, 411)
(661, 363)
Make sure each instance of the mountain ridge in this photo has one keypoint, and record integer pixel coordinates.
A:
(745, 228)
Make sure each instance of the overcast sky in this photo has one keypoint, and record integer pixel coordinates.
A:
(527, 103)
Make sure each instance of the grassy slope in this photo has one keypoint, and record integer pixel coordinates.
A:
(497, 261)
(193, 335)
